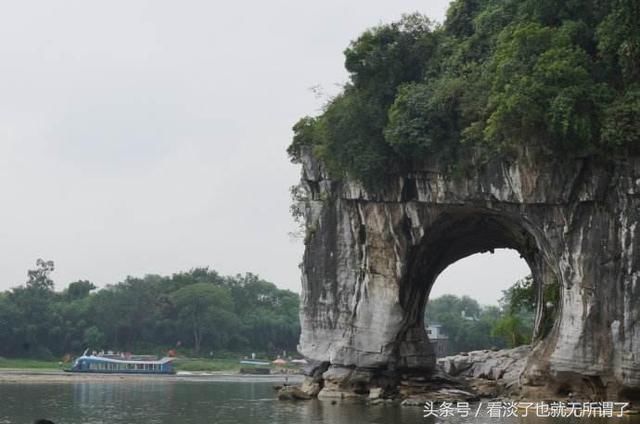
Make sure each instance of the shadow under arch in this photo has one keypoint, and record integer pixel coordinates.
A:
(455, 235)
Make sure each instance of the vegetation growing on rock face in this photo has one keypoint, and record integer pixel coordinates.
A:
(563, 76)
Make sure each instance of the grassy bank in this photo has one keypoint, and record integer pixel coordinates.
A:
(180, 364)
(202, 364)
(28, 364)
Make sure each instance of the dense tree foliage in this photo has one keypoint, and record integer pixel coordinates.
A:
(498, 75)
(199, 311)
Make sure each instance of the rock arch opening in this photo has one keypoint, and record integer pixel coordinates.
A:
(483, 301)
(482, 276)
(452, 237)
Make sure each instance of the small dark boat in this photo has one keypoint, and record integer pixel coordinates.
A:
(255, 370)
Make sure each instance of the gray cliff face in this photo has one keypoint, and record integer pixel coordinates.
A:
(371, 259)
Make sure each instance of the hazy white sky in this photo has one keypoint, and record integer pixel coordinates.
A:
(149, 136)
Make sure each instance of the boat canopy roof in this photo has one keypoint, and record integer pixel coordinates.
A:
(124, 361)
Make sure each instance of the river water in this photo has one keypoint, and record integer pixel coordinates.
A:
(175, 402)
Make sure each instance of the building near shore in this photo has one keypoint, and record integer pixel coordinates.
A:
(439, 340)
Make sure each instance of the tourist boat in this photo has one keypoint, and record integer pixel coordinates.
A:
(114, 365)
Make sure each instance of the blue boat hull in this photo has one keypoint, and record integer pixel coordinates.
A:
(120, 372)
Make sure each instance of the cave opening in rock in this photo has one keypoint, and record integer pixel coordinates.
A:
(460, 236)
(483, 301)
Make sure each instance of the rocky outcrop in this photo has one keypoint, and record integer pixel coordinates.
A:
(506, 364)
(489, 373)
(292, 393)
(372, 256)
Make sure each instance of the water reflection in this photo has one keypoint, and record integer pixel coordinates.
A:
(126, 399)
(160, 402)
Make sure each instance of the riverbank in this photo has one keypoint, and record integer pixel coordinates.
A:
(180, 364)
(14, 376)
(29, 364)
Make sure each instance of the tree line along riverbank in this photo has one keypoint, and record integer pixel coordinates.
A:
(197, 313)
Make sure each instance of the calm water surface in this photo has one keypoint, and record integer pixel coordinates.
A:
(160, 402)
